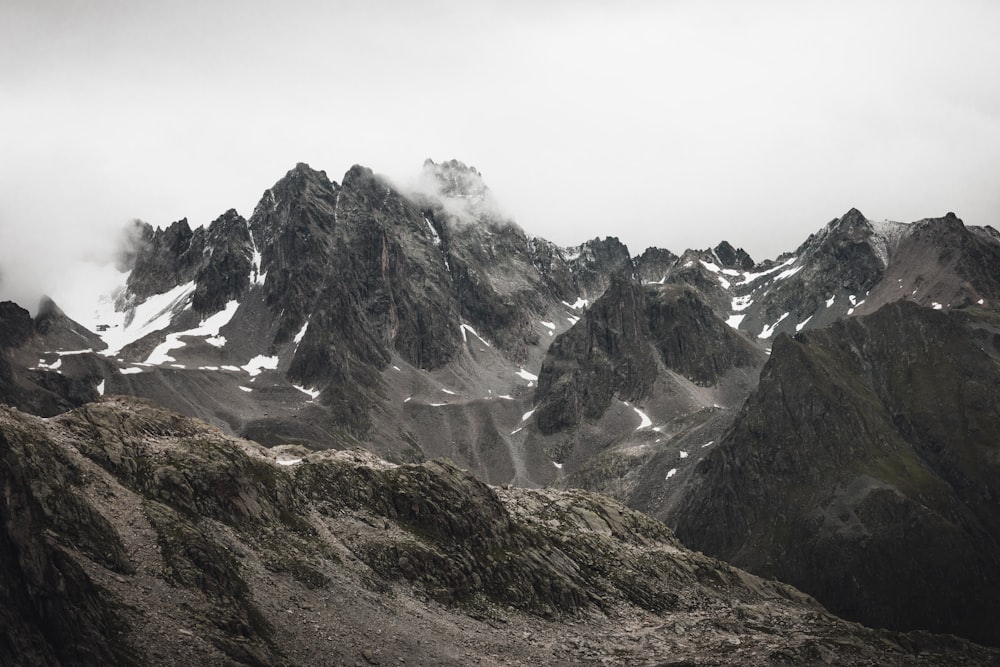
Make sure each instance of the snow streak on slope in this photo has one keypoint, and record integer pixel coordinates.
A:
(646, 421)
(208, 328)
(769, 330)
(153, 314)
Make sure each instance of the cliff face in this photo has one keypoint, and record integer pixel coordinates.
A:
(626, 339)
(605, 354)
(42, 382)
(864, 470)
(131, 535)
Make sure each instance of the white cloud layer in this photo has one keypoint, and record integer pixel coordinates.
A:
(674, 124)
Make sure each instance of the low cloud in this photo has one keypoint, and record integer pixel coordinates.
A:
(67, 260)
(459, 191)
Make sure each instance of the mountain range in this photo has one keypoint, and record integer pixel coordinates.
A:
(829, 419)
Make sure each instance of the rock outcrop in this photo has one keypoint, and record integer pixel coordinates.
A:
(131, 535)
(864, 470)
(617, 347)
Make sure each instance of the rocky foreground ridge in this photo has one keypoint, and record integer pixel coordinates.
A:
(132, 535)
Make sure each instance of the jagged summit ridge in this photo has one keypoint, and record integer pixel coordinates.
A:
(456, 179)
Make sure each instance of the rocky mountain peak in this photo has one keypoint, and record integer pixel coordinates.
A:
(653, 264)
(16, 325)
(733, 258)
(456, 179)
(166, 258)
(301, 184)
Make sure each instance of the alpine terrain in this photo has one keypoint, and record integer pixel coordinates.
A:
(374, 425)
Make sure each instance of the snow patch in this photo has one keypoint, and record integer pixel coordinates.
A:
(735, 320)
(646, 421)
(803, 323)
(767, 332)
(527, 415)
(829, 302)
(573, 320)
(51, 367)
(447, 391)
(579, 304)
(718, 273)
(207, 327)
(130, 371)
(788, 273)
(466, 328)
(288, 462)
(558, 465)
(751, 277)
(256, 275)
(936, 305)
(550, 325)
(435, 237)
(118, 329)
(246, 389)
(710, 442)
(100, 388)
(506, 397)
(742, 302)
(301, 334)
(684, 454)
(312, 393)
(526, 375)
(260, 363)
(161, 353)
(671, 472)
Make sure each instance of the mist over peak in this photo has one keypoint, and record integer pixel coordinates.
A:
(459, 189)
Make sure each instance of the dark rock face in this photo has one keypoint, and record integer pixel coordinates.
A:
(598, 262)
(864, 470)
(131, 535)
(39, 390)
(225, 272)
(217, 259)
(732, 258)
(619, 344)
(60, 331)
(654, 264)
(605, 354)
(16, 325)
(843, 259)
(165, 258)
(691, 339)
(940, 261)
(53, 612)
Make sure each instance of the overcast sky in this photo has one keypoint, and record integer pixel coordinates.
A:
(674, 124)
